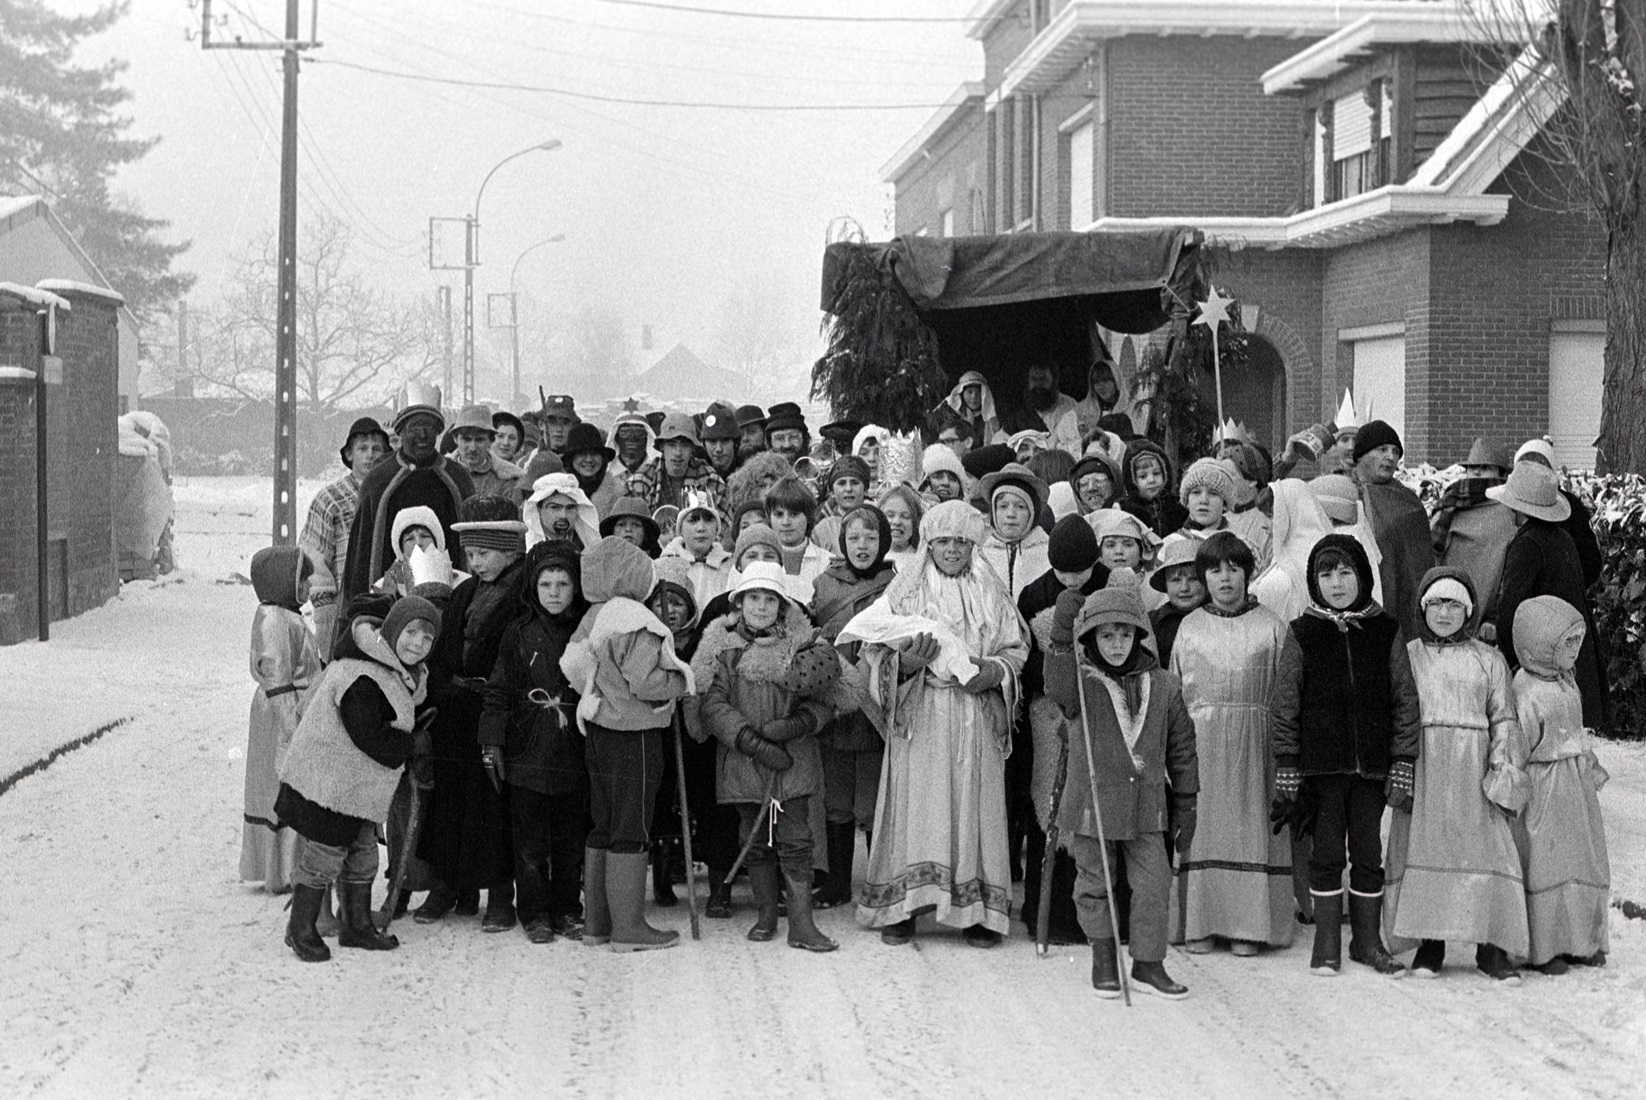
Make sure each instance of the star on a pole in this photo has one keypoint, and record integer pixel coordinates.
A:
(631, 405)
(1214, 310)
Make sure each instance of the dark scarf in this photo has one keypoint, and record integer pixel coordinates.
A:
(590, 485)
(1128, 673)
(883, 530)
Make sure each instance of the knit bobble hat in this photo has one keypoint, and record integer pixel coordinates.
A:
(1376, 434)
(408, 610)
(941, 457)
(1208, 473)
(849, 466)
(1073, 546)
(755, 535)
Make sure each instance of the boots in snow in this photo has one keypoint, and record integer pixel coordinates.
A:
(662, 883)
(435, 907)
(837, 885)
(1327, 958)
(979, 936)
(896, 935)
(358, 929)
(539, 930)
(567, 926)
(764, 878)
(597, 915)
(327, 923)
(1105, 969)
(626, 896)
(803, 931)
(1151, 977)
(1494, 963)
(1366, 927)
(720, 894)
(1430, 957)
(499, 908)
(468, 903)
(301, 935)
(1554, 968)
(1597, 959)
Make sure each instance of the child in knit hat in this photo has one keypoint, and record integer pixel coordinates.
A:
(1141, 736)
(361, 725)
(942, 476)
(1207, 489)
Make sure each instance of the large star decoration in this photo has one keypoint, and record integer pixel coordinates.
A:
(631, 405)
(1214, 310)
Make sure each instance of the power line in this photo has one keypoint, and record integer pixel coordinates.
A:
(569, 93)
(795, 17)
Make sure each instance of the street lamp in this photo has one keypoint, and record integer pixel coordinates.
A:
(472, 261)
(514, 304)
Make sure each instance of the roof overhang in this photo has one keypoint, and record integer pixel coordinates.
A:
(1072, 34)
(1428, 23)
(943, 119)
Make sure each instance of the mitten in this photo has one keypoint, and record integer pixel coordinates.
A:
(917, 653)
(491, 758)
(989, 676)
(1397, 790)
(780, 730)
(761, 751)
(1069, 603)
(1288, 780)
(1185, 812)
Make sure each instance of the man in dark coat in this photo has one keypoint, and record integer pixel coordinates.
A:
(416, 475)
(1542, 560)
(1398, 520)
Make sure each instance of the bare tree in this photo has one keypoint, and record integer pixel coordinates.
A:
(355, 344)
(1584, 70)
(752, 338)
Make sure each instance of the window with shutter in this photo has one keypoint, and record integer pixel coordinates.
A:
(1352, 155)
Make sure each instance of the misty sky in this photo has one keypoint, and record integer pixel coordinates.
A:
(665, 209)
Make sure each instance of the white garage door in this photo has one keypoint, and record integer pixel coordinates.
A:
(1380, 381)
(1576, 367)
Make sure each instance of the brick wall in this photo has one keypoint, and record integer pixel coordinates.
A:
(957, 169)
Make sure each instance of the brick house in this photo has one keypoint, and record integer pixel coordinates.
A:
(1371, 166)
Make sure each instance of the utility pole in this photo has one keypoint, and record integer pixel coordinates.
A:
(285, 338)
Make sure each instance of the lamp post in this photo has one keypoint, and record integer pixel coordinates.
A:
(514, 304)
(472, 260)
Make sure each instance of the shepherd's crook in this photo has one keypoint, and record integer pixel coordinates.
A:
(686, 826)
(1097, 811)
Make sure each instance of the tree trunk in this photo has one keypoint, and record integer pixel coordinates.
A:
(1622, 444)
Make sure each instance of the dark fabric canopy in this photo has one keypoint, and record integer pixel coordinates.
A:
(1000, 303)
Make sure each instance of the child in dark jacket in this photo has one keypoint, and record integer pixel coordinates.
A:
(1346, 735)
(622, 662)
(1149, 494)
(529, 740)
(1142, 739)
(765, 677)
(360, 726)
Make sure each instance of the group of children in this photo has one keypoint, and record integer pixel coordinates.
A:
(1194, 724)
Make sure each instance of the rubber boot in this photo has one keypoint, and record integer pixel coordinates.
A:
(301, 935)
(842, 841)
(1105, 969)
(626, 896)
(720, 894)
(803, 931)
(435, 907)
(764, 880)
(1327, 958)
(1494, 962)
(1151, 977)
(662, 885)
(327, 923)
(358, 929)
(1430, 957)
(597, 915)
(1366, 927)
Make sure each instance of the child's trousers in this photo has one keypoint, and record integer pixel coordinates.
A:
(625, 771)
(320, 865)
(1150, 877)
(1351, 819)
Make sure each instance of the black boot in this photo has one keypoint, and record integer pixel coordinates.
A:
(764, 878)
(1327, 958)
(435, 907)
(1430, 957)
(500, 914)
(468, 903)
(1151, 977)
(1366, 927)
(803, 931)
(896, 935)
(358, 929)
(662, 883)
(1105, 969)
(1494, 963)
(837, 889)
(301, 936)
(720, 894)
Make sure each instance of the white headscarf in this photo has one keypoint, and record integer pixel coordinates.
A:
(587, 523)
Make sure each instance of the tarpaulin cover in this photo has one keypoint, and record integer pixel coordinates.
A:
(1001, 302)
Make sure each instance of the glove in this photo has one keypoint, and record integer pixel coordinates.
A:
(763, 752)
(1288, 781)
(780, 730)
(989, 676)
(1397, 789)
(917, 653)
(491, 758)
(1298, 813)
(1185, 812)
(1069, 603)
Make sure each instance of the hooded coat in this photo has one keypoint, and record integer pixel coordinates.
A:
(528, 706)
(1542, 560)
(839, 594)
(1165, 513)
(395, 483)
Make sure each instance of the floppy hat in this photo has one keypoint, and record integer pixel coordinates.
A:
(1533, 490)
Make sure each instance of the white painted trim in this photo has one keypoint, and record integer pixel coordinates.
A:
(1578, 326)
(16, 374)
(1371, 332)
(1078, 119)
(1503, 120)
(1334, 53)
(967, 93)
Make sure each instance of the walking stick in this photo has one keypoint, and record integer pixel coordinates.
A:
(1048, 860)
(686, 826)
(1097, 811)
(408, 851)
(748, 841)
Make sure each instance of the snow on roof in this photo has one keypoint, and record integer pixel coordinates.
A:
(1337, 51)
(35, 295)
(91, 290)
(11, 205)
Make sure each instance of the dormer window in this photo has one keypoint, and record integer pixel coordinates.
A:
(1352, 139)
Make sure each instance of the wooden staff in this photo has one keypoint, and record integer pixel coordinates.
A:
(685, 825)
(1097, 810)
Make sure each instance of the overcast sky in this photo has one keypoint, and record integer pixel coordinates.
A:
(665, 209)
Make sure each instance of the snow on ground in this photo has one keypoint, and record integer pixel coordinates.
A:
(132, 963)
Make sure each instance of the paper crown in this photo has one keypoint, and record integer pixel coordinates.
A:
(1231, 431)
(430, 565)
(1346, 420)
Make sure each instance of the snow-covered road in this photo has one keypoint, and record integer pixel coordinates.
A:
(132, 963)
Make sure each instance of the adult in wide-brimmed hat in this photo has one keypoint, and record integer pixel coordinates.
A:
(325, 535)
(1470, 530)
(417, 475)
(1580, 524)
(588, 457)
(678, 469)
(1542, 560)
(473, 433)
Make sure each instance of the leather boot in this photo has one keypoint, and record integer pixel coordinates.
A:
(597, 915)
(842, 841)
(301, 936)
(1494, 962)
(1430, 957)
(1366, 929)
(662, 884)
(1105, 969)
(435, 907)
(803, 931)
(626, 896)
(358, 929)
(500, 914)
(764, 880)
(1327, 959)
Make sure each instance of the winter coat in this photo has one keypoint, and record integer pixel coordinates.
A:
(345, 760)
(498, 479)
(750, 680)
(709, 575)
(393, 484)
(1542, 560)
(1017, 563)
(1134, 761)
(1401, 528)
(1165, 513)
(530, 707)
(658, 489)
(838, 595)
(1472, 532)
